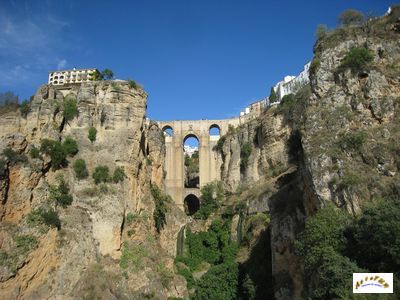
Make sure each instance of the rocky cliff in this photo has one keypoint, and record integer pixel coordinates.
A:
(335, 141)
(105, 223)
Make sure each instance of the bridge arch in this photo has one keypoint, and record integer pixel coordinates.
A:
(214, 130)
(190, 135)
(191, 204)
(168, 130)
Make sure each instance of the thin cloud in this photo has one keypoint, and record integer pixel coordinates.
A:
(30, 45)
(61, 64)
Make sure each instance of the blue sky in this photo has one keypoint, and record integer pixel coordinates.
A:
(203, 59)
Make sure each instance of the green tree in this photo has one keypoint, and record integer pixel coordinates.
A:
(100, 174)
(70, 108)
(107, 74)
(160, 210)
(80, 169)
(56, 151)
(132, 84)
(60, 193)
(351, 17)
(119, 175)
(245, 151)
(92, 134)
(329, 273)
(220, 282)
(96, 76)
(272, 96)
(374, 240)
(48, 217)
(70, 146)
(212, 194)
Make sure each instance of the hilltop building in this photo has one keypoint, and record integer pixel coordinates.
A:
(291, 84)
(71, 76)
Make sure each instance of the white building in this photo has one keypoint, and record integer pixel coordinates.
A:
(71, 76)
(291, 84)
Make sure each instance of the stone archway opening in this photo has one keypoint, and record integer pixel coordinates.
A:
(191, 161)
(168, 131)
(192, 204)
(215, 130)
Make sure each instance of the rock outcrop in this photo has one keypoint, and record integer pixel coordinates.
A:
(95, 228)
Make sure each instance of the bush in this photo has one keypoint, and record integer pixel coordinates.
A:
(60, 193)
(374, 240)
(70, 146)
(3, 167)
(119, 175)
(25, 108)
(132, 84)
(212, 194)
(220, 144)
(160, 210)
(356, 60)
(245, 151)
(220, 282)
(351, 17)
(321, 32)
(188, 276)
(70, 108)
(353, 141)
(14, 157)
(56, 151)
(92, 134)
(80, 169)
(41, 216)
(34, 152)
(100, 174)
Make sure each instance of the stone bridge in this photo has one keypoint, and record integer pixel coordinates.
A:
(209, 167)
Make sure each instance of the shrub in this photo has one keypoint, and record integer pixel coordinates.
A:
(25, 243)
(70, 108)
(70, 146)
(80, 169)
(353, 141)
(245, 151)
(160, 210)
(220, 144)
(212, 194)
(92, 134)
(41, 216)
(119, 175)
(132, 255)
(25, 108)
(356, 60)
(351, 17)
(188, 276)
(14, 157)
(321, 32)
(374, 239)
(132, 84)
(56, 151)
(34, 152)
(100, 174)
(220, 282)
(320, 245)
(3, 167)
(60, 193)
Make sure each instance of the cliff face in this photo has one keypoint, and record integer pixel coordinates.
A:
(335, 141)
(82, 258)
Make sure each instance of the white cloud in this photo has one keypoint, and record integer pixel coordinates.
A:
(30, 45)
(61, 64)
